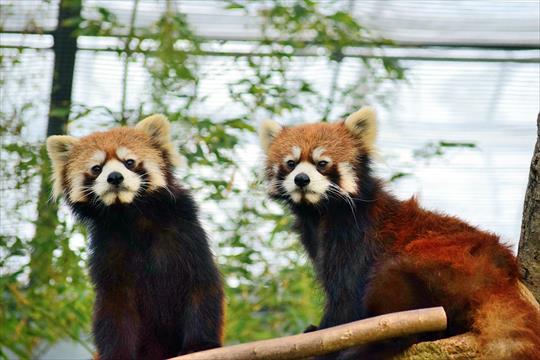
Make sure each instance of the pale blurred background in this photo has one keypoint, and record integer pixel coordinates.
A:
(457, 92)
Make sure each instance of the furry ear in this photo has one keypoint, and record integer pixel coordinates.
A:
(158, 127)
(268, 131)
(363, 124)
(59, 148)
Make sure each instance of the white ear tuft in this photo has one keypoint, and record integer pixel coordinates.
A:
(363, 124)
(59, 148)
(268, 131)
(157, 127)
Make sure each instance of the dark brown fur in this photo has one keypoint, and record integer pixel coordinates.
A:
(158, 291)
(384, 255)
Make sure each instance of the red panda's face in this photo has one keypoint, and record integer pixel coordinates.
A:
(308, 163)
(115, 166)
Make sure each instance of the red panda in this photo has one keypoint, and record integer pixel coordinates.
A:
(374, 254)
(158, 290)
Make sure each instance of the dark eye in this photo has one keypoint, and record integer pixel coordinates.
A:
(96, 169)
(322, 164)
(129, 163)
(291, 164)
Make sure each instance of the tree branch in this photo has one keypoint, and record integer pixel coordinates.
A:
(332, 339)
(462, 347)
(529, 244)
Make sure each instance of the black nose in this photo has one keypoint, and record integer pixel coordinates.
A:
(115, 178)
(301, 179)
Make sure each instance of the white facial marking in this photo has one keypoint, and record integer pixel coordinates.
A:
(126, 197)
(347, 178)
(108, 198)
(98, 157)
(155, 175)
(77, 192)
(317, 153)
(316, 188)
(296, 197)
(296, 151)
(124, 153)
(313, 197)
(125, 192)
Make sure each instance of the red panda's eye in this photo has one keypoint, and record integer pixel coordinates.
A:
(291, 164)
(96, 169)
(129, 163)
(322, 164)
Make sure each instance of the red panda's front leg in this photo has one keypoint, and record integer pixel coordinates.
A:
(309, 234)
(203, 324)
(116, 326)
(344, 289)
(341, 309)
(343, 266)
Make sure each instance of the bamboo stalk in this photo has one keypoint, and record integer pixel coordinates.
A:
(332, 339)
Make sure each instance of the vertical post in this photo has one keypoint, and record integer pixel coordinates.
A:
(127, 53)
(338, 59)
(65, 48)
(529, 243)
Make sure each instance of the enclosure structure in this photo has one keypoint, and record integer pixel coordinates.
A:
(457, 107)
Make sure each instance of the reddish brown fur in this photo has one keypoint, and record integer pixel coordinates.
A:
(310, 136)
(440, 260)
(133, 139)
(465, 269)
(422, 259)
(158, 290)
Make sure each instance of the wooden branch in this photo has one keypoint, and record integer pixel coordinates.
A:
(529, 244)
(460, 347)
(332, 339)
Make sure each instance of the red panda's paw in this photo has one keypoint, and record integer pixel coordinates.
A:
(199, 347)
(311, 328)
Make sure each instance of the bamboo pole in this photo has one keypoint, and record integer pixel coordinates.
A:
(332, 339)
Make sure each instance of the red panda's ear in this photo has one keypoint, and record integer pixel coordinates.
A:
(363, 125)
(268, 131)
(158, 127)
(59, 148)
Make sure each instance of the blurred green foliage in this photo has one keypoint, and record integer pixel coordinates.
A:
(270, 286)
